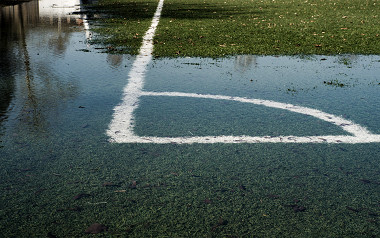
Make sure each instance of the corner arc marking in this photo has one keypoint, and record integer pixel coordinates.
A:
(345, 124)
(360, 134)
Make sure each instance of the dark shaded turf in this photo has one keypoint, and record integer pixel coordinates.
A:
(263, 190)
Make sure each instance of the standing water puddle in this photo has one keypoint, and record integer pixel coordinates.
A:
(60, 173)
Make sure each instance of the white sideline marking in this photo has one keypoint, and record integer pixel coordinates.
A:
(123, 113)
(121, 127)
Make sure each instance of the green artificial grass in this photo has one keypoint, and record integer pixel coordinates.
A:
(122, 24)
(217, 28)
(220, 190)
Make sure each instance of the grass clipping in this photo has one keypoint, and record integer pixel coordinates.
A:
(215, 28)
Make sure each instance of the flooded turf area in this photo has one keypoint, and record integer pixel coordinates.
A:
(60, 174)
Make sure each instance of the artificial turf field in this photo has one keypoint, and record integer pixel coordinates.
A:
(60, 173)
(217, 28)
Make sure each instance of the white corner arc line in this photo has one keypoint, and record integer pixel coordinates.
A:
(360, 133)
(121, 127)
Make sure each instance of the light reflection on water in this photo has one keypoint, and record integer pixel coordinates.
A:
(38, 40)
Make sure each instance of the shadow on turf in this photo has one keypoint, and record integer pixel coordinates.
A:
(134, 10)
(202, 11)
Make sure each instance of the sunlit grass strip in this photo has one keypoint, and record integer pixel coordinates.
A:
(268, 27)
(264, 27)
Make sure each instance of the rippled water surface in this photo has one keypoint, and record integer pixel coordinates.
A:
(60, 174)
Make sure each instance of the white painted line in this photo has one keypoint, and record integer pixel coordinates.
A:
(122, 125)
(346, 125)
(360, 134)
(247, 139)
(123, 113)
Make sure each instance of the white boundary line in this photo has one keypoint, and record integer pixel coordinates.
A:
(123, 113)
(122, 125)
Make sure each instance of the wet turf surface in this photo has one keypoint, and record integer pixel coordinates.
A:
(60, 174)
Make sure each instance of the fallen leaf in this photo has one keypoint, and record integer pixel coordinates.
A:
(96, 228)
(81, 195)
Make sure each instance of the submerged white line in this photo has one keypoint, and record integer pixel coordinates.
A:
(248, 139)
(122, 122)
(346, 125)
(361, 134)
